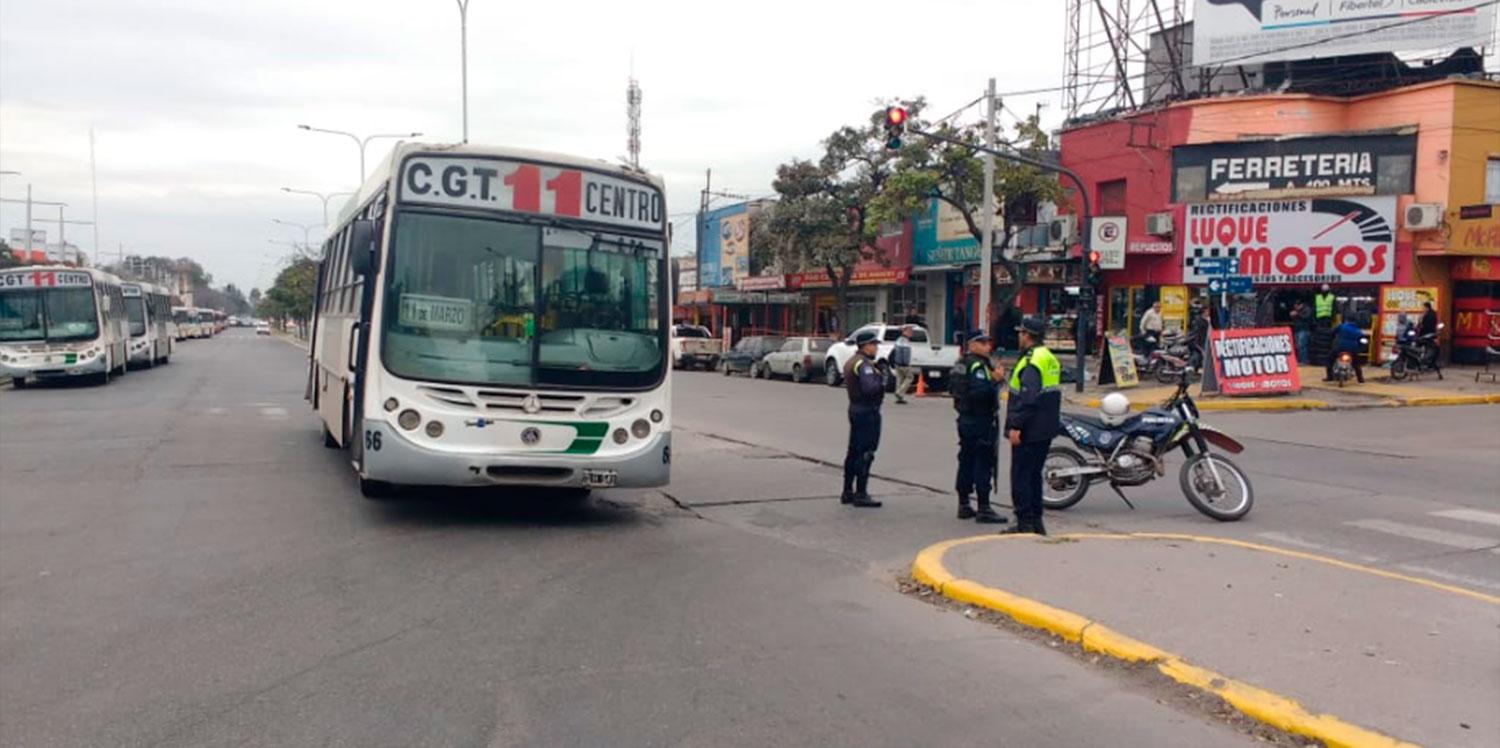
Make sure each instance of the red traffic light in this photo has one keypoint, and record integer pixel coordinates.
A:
(1093, 258)
(895, 116)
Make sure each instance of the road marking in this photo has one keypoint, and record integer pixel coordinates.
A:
(1427, 534)
(1470, 515)
(273, 412)
(1450, 576)
(216, 411)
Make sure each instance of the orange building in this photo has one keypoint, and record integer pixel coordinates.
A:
(1248, 174)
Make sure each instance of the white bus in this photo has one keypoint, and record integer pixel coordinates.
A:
(192, 322)
(488, 316)
(59, 322)
(148, 308)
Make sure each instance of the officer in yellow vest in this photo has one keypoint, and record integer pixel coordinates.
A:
(1323, 307)
(1032, 418)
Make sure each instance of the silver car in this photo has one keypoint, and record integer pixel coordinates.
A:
(801, 359)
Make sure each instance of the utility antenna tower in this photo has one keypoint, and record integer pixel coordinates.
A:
(1121, 54)
(633, 120)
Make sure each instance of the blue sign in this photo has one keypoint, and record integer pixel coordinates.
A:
(1217, 265)
(1230, 284)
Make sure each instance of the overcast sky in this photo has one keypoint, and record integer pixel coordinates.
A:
(195, 102)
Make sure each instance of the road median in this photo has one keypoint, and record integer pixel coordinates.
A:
(1277, 619)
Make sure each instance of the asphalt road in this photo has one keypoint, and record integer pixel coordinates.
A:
(183, 563)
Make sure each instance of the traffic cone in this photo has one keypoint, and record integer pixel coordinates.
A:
(921, 386)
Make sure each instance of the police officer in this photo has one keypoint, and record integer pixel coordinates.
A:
(866, 386)
(976, 396)
(1032, 416)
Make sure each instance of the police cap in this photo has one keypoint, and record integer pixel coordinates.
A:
(976, 335)
(1033, 325)
(865, 336)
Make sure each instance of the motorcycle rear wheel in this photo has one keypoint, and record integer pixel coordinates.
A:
(1199, 486)
(1398, 369)
(1063, 493)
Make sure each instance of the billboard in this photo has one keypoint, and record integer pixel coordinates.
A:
(1320, 240)
(1248, 31)
(941, 237)
(1257, 361)
(734, 247)
(1294, 167)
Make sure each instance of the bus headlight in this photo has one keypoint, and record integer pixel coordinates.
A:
(391, 405)
(621, 436)
(409, 419)
(656, 416)
(640, 428)
(434, 429)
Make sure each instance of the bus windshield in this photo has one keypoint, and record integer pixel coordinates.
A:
(53, 314)
(489, 301)
(135, 309)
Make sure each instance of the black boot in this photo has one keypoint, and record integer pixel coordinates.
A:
(965, 509)
(1037, 526)
(863, 499)
(988, 516)
(846, 497)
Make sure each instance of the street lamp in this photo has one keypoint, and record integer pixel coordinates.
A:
(320, 196)
(306, 229)
(463, 53)
(361, 142)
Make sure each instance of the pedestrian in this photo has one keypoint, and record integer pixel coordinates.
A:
(1428, 325)
(1032, 418)
(1302, 324)
(866, 387)
(976, 397)
(1197, 334)
(1151, 326)
(900, 360)
(1403, 324)
(1323, 307)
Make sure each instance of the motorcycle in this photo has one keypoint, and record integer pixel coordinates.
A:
(1343, 366)
(1415, 354)
(1134, 453)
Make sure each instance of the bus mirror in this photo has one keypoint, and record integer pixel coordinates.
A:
(362, 247)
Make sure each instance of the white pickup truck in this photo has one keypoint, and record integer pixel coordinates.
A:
(935, 360)
(694, 346)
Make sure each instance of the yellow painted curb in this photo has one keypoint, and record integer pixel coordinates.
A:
(1203, 405)
(1451, 400)
(1256, 703)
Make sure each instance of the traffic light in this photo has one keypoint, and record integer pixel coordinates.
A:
(1093, 274)
(895, 126)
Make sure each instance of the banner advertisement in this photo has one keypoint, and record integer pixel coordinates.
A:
(1257, 361)
(1119, 368)
(1174, 308)
(872, 277)
(1296, 167)
(1247, 31)
(734, 248)
(761, 283)
(1396, 301)
(1321, 240)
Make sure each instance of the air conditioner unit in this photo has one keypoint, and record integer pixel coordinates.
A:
(1423, 216)
(1159, 224)
(1062, 230)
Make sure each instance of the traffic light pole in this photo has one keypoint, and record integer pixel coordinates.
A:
(1085, 289)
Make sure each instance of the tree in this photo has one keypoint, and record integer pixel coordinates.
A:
(291, 296)
(822, 220)
(254, 299)
(7, 258)
(954, 174)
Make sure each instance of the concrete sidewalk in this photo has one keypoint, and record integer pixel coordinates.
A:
(1458, 387)
(1425, 668)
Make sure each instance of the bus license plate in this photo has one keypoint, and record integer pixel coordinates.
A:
(599, 478)
(935, 374)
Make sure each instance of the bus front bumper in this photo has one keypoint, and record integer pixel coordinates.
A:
(401, 462)
(39, 367)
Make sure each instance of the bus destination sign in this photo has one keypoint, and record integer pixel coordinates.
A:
(532, 188)
(45, 279)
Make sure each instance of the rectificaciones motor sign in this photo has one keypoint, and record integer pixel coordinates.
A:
(534, 188)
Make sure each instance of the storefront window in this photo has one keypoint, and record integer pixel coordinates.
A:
(861, 309)
(907, 301)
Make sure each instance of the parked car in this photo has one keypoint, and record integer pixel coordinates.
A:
(936, 361)
(745, 356)
(694, 346)
(798, 358)
(261, 328)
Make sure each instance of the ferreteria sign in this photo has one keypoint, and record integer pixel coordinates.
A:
(1325, 240)
(1295, 167)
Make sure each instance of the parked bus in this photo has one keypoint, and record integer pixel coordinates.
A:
(58, 322)
(220, 321)
(487, 316)
(153, 332)
(192, 322)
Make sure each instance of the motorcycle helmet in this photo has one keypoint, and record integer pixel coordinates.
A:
(1114, 409)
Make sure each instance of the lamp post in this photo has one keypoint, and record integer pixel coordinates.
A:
(321, 196)
(361, 142)
(463, 53)
(306, 230)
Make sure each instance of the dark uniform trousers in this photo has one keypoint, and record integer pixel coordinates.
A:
(1026, 460)
(976, 455)
(864, 439)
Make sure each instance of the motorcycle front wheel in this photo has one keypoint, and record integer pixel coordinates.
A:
(1216, 487)
(1398, 369)
(1061, 493)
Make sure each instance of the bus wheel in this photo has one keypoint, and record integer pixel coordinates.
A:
(328, 440)
(376, 489)
(18, 383)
